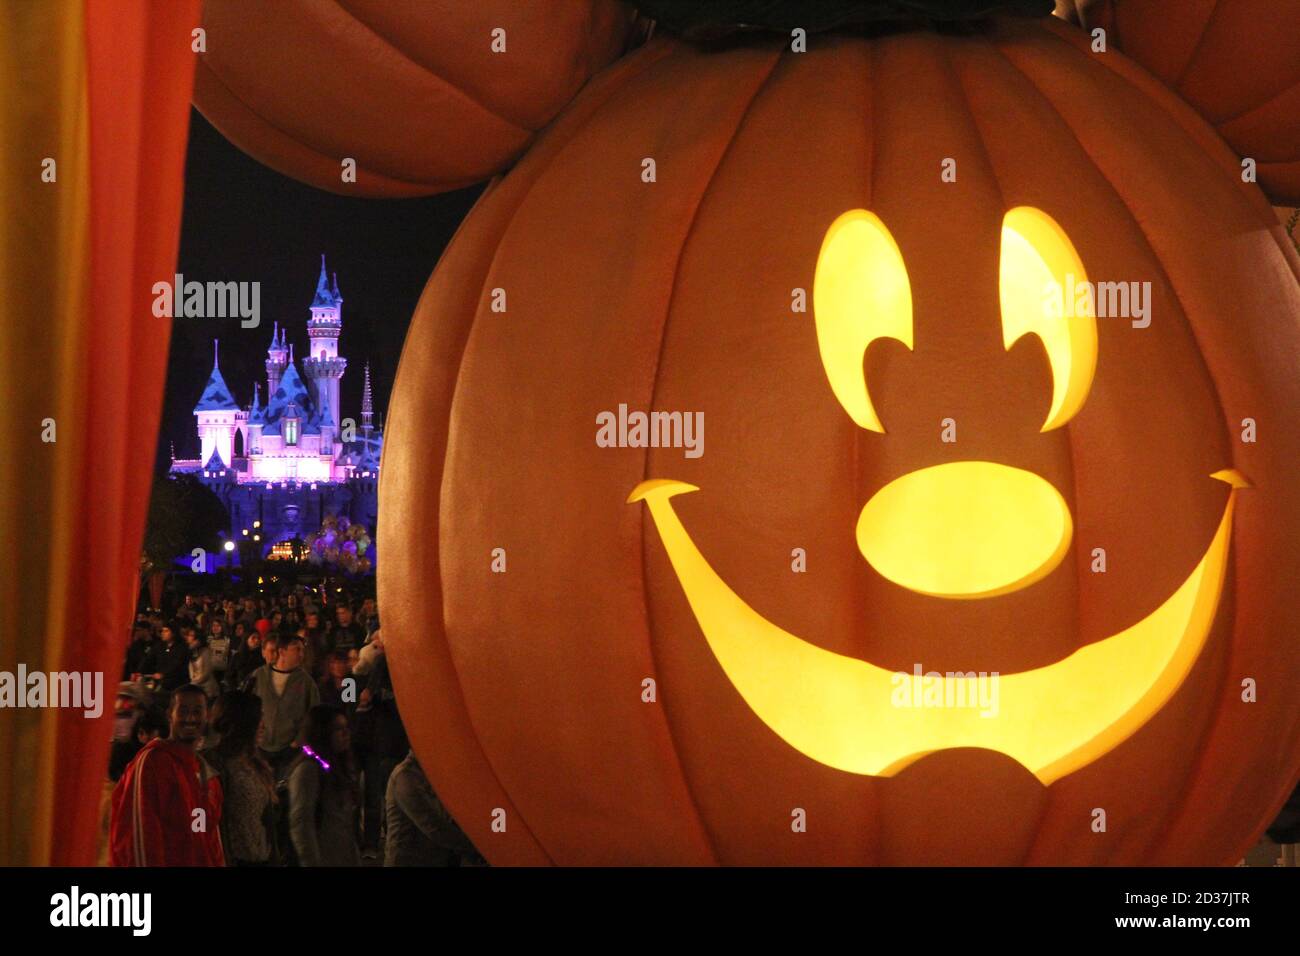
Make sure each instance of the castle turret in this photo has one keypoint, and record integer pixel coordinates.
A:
(327, 426)
(215, 414)
(277, 357)
(256, 421)
(323, 368)
(367, 405)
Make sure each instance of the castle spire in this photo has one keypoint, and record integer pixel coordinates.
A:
(214, 355)
(335, 290)
(367, 403)
(323, 295)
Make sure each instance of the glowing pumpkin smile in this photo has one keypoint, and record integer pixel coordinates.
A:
(839, 710)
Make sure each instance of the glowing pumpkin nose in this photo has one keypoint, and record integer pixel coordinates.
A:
(965, 529)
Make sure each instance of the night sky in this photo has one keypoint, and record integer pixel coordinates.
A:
(245, 222)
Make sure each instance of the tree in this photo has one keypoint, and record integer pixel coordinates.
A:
(184, 514)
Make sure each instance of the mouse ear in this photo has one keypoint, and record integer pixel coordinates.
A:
(1237, 62)
(421, 97)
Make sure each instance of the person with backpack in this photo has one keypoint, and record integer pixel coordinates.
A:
(323, 799)
(200, 663)
(287, 694)
(220, 646)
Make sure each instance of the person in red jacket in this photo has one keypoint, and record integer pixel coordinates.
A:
(167, 806)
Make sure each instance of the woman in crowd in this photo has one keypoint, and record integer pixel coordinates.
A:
(200, 661)
(247, 784)
(292, 613)
(220, 645)
(332, 687)
(323, 799)
(247, 658)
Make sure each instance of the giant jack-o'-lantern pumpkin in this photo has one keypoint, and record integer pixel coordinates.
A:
(917, 470)
(422, 96)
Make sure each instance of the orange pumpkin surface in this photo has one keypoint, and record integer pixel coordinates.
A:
(412, 91)
(524, 692)
(1236, 61)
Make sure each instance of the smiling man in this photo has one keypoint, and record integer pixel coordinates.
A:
(167, 806)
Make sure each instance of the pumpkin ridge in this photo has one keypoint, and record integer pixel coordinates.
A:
(206, 76)
(361, 26)
(1067, 430)
(1186, 116)
(773, 62)
(451, 658)
(542, 157)
(1161, 844)
(538, 152)
(1045, 807)
(1170, 102)
(1201, 745)
(1256, 107)
(1146, 240)
(1176, 83)
(328, 18)
(860, 599)
(1051, 799)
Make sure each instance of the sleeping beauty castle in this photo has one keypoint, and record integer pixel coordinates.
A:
(282, 467)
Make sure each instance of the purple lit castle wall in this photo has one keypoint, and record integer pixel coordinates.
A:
(294, 461)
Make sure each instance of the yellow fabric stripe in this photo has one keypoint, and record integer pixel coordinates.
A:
(44, 264)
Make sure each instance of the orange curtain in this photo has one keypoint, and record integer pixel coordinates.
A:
(94, 121)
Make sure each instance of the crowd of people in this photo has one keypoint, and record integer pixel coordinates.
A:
(258, 730)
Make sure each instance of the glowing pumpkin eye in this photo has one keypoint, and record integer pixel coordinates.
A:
(1038, 262)
(860, 294)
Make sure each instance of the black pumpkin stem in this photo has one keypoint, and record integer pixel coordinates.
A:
(717, 20)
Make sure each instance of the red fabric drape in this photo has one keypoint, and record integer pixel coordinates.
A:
(139, 78)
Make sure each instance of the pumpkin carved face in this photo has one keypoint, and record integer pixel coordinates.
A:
(961, 529)
(658, 683)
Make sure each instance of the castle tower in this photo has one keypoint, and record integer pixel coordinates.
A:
(323, 368)
(367, 405)
(327, 426)
(215, 414)
(277, 357)
(256, 422)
